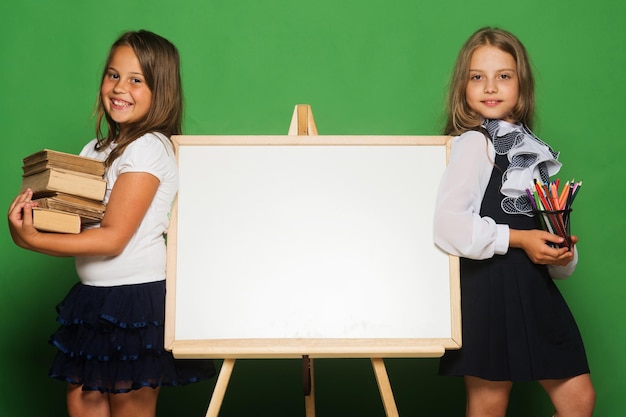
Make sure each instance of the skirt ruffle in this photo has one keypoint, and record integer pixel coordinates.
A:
(111, 339)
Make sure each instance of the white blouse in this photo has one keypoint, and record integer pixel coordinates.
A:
(458, 227)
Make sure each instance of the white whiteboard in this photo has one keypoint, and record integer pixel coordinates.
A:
(322, 245)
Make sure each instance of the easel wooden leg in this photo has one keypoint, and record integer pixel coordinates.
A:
(220, 388)
(303, 123)
(309, 394)
(385, 387)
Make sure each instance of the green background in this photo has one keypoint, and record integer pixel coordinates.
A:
(365, 67)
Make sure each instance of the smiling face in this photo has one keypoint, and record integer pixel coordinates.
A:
(493, 86)
(125, 95)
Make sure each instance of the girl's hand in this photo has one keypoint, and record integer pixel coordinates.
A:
(21, 219)
(535, 244)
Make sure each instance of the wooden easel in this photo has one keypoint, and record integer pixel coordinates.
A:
(303, 124)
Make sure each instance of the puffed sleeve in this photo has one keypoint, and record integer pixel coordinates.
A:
(458, 227)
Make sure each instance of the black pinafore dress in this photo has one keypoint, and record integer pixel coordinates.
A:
(516, 324)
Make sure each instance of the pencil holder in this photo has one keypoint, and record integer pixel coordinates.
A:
(556, 222)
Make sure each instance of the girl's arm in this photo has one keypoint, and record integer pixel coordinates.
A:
(533, 242)
(561, 261)
(130, 198)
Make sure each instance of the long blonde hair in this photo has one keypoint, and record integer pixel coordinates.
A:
(160, 64)
(460, 117)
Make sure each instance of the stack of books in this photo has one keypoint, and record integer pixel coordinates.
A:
(68, 189)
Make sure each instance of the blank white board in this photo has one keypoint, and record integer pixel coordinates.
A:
(282, 246)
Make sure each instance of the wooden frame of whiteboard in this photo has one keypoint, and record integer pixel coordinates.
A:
(365, 347)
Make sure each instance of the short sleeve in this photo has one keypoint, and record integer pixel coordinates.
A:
(150, 154)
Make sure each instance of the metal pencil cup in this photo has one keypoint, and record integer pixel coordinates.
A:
(557, 222)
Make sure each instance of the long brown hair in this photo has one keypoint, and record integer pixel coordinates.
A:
(460, 117)
(160, 64)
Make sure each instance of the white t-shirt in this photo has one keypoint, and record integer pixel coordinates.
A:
(143, 258)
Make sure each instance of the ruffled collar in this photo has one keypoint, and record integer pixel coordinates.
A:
(529, 158)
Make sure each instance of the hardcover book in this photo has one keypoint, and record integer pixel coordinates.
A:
(55, 221)
(65, 181)
(47, 158)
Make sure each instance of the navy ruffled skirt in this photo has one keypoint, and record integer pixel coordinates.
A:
(111, 340)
